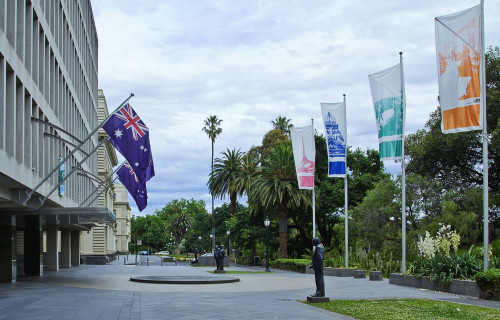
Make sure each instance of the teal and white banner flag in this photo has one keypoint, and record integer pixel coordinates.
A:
(336, 137)
(387, 95)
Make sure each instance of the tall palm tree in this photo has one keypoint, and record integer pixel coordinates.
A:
(213, 130)
(282, 124)
(224, 176)
(277, 185)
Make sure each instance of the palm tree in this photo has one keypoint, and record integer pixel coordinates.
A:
(224, 176)
(282, 124)
(277, 185)
(213, 130)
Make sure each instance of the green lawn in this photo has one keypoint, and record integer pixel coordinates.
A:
(407, 309)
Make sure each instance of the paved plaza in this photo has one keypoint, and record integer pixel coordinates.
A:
(106, 292)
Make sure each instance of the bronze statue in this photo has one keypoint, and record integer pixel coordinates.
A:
(317, 265)
(222, 254)
(216, 257)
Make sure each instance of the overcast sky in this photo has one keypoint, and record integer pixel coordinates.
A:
(249, 62)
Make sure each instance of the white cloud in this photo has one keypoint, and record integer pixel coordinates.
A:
(250, 62)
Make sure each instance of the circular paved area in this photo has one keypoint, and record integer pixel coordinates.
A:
(184, 279)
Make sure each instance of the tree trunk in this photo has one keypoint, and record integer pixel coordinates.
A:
(213, 215)
(283, 227)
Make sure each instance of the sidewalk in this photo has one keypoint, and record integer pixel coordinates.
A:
(105, 292)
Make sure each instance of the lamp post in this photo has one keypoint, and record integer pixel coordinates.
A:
(187, 251)
(211, 236)
(266, 224)
(228, 232)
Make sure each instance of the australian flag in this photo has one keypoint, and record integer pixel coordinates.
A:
(137, 190)
(130, 136)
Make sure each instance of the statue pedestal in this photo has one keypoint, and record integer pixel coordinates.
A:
(317, 299)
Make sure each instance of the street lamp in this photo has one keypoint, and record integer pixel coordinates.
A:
(186, 243)
(266, 224)
(228, 233)
(211, 236)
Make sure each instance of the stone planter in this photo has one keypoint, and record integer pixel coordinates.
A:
(359, 274)
(327, 271)
(376, 276)
(462, 287)
(342, 272)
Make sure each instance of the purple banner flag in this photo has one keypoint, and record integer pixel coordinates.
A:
(130, 136)
(137, 190)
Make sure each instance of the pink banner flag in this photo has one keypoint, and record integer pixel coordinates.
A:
(304, 152)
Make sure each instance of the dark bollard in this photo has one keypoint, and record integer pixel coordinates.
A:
(124, 261)
(147, 261)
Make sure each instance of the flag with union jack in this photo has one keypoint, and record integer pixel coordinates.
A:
(137, 190)
(130, 136)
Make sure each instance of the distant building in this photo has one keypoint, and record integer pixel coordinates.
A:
(105, 240)
(48, 105)
(122, 214)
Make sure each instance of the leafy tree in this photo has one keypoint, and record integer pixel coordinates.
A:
(277, 185)
(213, 130)
(283, 125)
(225, 176)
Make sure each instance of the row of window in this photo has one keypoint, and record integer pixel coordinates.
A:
(48, 71)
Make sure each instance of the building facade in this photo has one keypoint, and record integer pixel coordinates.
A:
(105, 240)
(123, 223)
(48, 105)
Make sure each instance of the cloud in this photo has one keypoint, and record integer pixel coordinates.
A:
(250, 62)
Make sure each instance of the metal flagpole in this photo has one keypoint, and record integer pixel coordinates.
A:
(313, 193)
(403, 170)
(100, 184)
(485, 145)
(71, 172)
(29, 194)
(346, 216)
(105, 188)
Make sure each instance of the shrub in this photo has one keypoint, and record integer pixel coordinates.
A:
(489, 281)
(298, 265)
(446, 268)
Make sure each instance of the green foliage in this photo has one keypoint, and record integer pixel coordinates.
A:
(298, 265)
(365, 259)
(461, 265)
(489, 281)
(404, 309)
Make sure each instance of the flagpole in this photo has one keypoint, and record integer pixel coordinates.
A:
(346, 217)
(403, 169)
(313, 192)
(485, 145)
(29, 194)
(100, 184)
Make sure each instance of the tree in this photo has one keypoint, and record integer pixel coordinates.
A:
(277, 184)
(225, 176)
(283, 125)
(213, 130)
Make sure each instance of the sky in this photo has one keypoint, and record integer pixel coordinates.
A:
(249, 62)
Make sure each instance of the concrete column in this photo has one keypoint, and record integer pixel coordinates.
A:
(33, 246)
(75, 248)
(65, 248)
(8, 253)
(52, 244)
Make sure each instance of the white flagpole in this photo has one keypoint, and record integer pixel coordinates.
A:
(403, 170)
(346, 216)
(314, 185)
(485, 145)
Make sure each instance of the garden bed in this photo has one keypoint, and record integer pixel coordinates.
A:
(461, 287)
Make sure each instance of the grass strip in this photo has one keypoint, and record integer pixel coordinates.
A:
(395, 309)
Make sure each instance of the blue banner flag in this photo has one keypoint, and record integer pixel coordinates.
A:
(130, 136)
(336, 137)
(137, 190)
